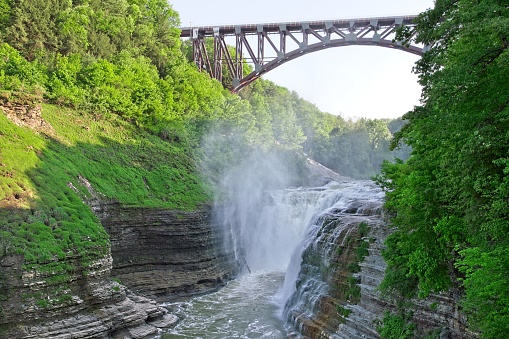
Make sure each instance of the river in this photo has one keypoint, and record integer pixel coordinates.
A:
(246, 308)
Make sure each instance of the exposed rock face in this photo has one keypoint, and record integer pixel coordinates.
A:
(25, 110)
(321, 306)
(87, 305)
(164, 254)
(337, 295)
(155, 252)
(438, 314)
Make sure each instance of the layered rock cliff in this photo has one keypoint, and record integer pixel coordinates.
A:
(438, 315)
(81, 292)
(161, 254)
(86, 304)
(164, 254)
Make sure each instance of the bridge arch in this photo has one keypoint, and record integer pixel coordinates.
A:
(278, 43)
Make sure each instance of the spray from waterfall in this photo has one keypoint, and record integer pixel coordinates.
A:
(257, 214)
(267, 218)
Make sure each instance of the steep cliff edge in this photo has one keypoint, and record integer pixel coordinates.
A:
(56, 259)
(164, 254)
(437, 316)
(87, 304)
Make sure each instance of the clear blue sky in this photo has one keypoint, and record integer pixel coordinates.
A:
(354, 81)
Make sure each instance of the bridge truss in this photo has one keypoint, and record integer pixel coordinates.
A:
(271, 45)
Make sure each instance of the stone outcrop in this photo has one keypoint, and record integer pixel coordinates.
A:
(438, 313)
(87, 304)
(25, 110)
(159, 254)
(156, 253)
(165, 254)
(328, 284)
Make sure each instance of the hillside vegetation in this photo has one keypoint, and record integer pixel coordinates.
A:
(127, 112)
(450, 199)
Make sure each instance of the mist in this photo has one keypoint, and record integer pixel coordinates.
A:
(256, 195)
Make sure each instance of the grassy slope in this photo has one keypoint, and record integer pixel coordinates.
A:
(42, 218)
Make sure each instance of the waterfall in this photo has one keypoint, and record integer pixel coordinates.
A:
(266, 226)
(289, 239)
(315, 263)
(294, 230)
(301, 246)
(269, 227)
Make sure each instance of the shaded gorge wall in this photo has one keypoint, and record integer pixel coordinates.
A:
(164, 254)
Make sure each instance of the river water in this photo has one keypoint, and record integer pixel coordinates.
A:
(270, 230)
(246, 308)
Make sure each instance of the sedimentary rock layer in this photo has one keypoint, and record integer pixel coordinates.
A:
(337, 296)
(86, 305)
(164, 254)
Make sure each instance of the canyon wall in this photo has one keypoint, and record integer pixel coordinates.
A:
(438, 315)
(165, 254)
(102, 292)
(159, 254)
(86, 303)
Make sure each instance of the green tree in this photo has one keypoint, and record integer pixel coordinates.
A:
(5, 14)
(32, 27)
(379, 138)
(450, 198)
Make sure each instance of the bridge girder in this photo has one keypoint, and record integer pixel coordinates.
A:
(270, 45)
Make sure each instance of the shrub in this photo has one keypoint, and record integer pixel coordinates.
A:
(17, 74)
(397, 326)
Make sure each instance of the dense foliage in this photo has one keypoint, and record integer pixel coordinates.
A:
(450, 198)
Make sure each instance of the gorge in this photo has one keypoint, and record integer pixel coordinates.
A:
(326, 238)
(131, 205)
(330, 285)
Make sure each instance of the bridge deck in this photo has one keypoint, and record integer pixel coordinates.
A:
(296, 26)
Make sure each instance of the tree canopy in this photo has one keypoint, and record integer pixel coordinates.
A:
(450, 198)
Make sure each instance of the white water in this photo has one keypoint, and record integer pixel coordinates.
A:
(355, 202)
(270, 226)
(270, 231)
(244, 308)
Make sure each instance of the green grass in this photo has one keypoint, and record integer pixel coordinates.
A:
(352, 289)
(126, 163)
(43, 215)
(363, 229)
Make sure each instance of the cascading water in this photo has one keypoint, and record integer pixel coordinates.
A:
(311, 308)
(272, 231)
(264, 221)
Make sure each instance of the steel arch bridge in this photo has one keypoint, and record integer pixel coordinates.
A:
(273, 44)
